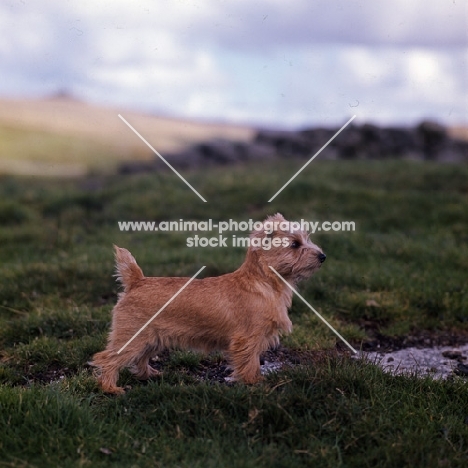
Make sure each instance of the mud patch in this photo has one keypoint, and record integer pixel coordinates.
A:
(54, 373)
(217, 369)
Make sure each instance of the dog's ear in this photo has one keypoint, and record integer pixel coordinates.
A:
(276, 218)
(267, 231)
(272, 225)
(256, 238)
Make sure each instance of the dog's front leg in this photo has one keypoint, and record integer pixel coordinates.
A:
(245, 358)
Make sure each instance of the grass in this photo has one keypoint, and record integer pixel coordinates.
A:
(402, 271)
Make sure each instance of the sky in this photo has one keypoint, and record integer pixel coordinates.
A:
(270, 63)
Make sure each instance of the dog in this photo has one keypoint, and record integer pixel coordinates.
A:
(242, 313)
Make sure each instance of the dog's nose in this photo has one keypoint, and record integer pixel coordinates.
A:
(322, 257)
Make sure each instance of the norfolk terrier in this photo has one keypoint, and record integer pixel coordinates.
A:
(241, 313)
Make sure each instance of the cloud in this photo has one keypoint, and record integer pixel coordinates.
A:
(323, 85)
(265, 25)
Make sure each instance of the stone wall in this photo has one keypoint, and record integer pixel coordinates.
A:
(426, 141)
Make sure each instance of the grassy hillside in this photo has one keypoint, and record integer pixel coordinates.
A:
(64, 137)
(402, 271)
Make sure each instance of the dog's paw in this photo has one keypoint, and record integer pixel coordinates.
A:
(253, 380)
(115, 390)
(152, 372)
(145, 374)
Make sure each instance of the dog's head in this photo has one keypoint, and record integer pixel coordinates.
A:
(286, 248)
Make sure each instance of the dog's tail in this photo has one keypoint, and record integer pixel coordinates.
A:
(127, 269)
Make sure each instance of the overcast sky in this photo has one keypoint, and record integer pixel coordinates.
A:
(270, 62)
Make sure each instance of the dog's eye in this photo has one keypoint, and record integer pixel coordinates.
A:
(295, 244)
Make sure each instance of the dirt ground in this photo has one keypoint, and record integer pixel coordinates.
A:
(440, 355)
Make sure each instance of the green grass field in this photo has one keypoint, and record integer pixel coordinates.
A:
(403, 271)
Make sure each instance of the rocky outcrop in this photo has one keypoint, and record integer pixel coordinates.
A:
(427, 141)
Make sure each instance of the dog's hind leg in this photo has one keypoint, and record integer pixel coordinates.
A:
(141, 368)
(108, 364)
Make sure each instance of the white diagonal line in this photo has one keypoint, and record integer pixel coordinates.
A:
(157, 154)
(160, 310)
(312, 158)
(313, 310)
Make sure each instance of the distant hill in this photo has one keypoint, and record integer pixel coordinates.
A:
(66, 137)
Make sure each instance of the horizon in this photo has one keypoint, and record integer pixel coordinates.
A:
(65, 97)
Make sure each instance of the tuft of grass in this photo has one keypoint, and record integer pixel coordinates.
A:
(334, 413)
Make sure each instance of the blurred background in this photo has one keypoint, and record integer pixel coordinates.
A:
(184, 72)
